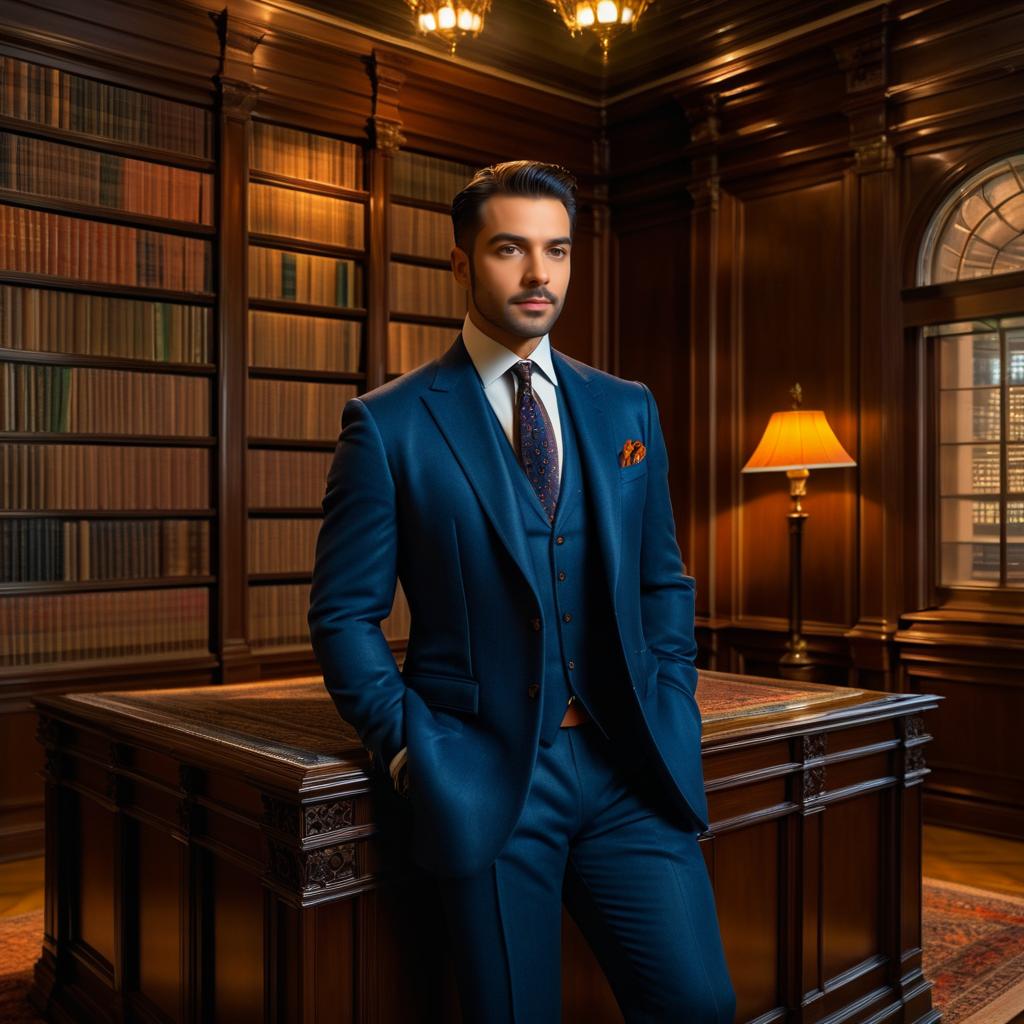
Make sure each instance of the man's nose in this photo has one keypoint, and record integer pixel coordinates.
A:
(536, 270)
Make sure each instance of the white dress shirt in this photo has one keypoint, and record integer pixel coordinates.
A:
(494, 362)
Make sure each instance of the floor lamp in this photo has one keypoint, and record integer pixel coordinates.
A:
(797, 441)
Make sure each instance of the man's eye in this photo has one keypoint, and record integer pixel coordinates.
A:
(509, 246)
(561, 252)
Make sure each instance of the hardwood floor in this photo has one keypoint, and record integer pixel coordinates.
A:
(21, 886)
(970, 858)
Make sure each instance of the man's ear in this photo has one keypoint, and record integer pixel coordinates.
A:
(460, 267)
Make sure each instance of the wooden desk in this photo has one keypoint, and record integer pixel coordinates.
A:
(218, 853)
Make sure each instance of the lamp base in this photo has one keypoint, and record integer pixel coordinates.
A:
(796, 664)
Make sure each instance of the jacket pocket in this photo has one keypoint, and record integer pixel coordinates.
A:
(458, 693)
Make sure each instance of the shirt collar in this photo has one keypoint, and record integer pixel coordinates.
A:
(492, 359)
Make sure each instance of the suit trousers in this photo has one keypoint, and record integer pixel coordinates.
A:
(596, 833)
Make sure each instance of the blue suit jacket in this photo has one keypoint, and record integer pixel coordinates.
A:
(418, 490)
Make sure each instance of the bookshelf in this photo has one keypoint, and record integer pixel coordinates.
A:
(308, 231)
(106, 374)
(427, 306)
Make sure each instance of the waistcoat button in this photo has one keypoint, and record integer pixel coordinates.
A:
(559, 539)
(567, 617)
(572, 664)
(533, 689)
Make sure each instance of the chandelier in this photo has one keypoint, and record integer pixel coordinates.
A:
(449, 20)
(604, 17)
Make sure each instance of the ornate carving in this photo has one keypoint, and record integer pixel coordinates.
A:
(814, 782)
(703, 116)
(49, 731)
(310, 870)
(327, 816)
(815, 745)
(913, 760)
(55, 765)
(865, 61)
(913, 727)
(705, 193)
(386, 133)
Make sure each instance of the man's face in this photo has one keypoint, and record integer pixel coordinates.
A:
(521, 252)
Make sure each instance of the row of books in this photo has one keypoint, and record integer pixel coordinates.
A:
(43, 628)
(71, 399)
(287, 479)
(299, 277)
(412, 345)
(41, 320)
(278, 615)
(431, 178)
(43, 168)
(54, 98)
(416, 232)
(282, 545)
(102, 476)
(296, 409)
(315, 218)
(309, 156)
(38, 242)
(298, 341)
(79, 550)
(426, 291)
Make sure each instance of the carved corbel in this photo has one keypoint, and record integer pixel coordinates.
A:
(865, 61)
(236, 79)
(387, 72)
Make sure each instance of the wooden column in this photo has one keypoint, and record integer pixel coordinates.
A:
(878, 340)
(385, 131)
(711, 488)
(237, 94)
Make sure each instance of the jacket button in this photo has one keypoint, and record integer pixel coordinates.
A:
(567, 617)
(561, 574)
(536, 624)
(572, 664)
(533, 689)
(559, 539)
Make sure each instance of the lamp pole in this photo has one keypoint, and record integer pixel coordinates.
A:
(795, 663)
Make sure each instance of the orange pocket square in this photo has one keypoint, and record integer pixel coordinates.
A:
(632, 452)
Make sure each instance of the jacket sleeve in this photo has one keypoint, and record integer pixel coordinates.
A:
(353, 588)
(666, 592)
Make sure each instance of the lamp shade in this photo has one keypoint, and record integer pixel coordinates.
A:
(798, 439)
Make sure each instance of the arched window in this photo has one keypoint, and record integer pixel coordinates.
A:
(979, 386)
(979, 230)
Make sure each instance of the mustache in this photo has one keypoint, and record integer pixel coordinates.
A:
(536, 298)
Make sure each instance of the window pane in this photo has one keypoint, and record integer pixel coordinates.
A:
(1015, 357)
(969, 469)
(1015, 468)
(969, 415)
(1015, 563)
(1015, 428)
(969, 361)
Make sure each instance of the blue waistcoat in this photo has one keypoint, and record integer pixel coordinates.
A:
(574, 595)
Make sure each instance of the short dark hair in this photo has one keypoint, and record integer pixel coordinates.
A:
(511, 178)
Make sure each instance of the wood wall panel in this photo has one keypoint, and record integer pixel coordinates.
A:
(791, 295)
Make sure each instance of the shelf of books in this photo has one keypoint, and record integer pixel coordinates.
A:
(106, 374)
(307, 268)
(427, 305)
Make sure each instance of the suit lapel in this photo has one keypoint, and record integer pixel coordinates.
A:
(458, 405)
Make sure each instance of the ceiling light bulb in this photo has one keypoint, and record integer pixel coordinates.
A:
(607, 12)
(584, 15)
(446, 18)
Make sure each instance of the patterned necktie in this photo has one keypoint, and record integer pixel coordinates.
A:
(538, 449)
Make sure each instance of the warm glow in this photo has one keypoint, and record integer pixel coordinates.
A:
(607, 12)
(427, 23)
(465, 19)
(446, 18)
(584, 15)
(627, 15)
(798, 439)
(477, 22)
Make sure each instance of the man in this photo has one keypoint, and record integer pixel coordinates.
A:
(544, 726)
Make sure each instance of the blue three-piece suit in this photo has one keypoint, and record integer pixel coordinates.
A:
(511, 614)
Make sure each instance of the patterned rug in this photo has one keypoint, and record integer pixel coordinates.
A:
(973, 953)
